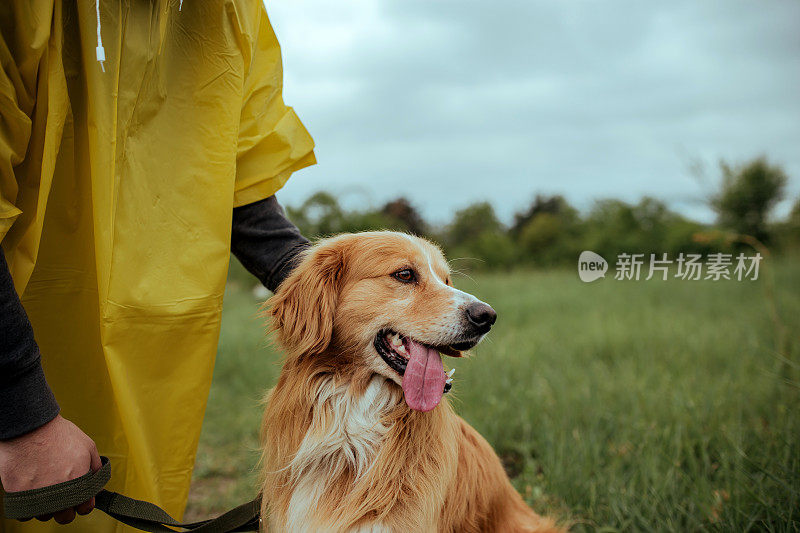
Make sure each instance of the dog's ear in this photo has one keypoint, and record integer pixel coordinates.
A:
(302, 308)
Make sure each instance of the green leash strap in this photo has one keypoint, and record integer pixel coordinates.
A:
(136, 513)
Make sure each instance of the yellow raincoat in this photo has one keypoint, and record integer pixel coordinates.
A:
(116, 197)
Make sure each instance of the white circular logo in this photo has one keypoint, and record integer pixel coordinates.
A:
(591, 266)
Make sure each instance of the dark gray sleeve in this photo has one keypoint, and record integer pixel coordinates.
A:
(265, 241)
(26, 401)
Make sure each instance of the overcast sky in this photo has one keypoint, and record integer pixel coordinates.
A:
(452, 102)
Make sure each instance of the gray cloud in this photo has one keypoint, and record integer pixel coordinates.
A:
(452, 102)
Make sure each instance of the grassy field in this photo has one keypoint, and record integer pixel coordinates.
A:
(619, 406)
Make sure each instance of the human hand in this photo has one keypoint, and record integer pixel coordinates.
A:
(53, 453)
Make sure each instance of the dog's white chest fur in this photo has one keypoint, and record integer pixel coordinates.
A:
(345, 433)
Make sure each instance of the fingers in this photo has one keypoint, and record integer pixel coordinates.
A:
(86, 507)
(68, 515)
(65, 517)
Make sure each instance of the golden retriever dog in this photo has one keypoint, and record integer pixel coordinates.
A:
(358, 435)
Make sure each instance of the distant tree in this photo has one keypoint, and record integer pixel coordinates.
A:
(319, 215)
(551, 205)
(489, 250)
(549, 239)
(541, 232)
(402, 210)
(546, 233)
(794, 214)
(477, 235)
(788, 231)
(610, 228)
(793, 220)
(747, 195)
(472, 221)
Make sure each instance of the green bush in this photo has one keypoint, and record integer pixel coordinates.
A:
(490, 250)
(549, 239)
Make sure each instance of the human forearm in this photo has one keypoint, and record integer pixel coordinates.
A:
(265, 241)
(26, 401)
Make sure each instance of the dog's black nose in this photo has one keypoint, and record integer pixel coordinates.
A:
(481, 316)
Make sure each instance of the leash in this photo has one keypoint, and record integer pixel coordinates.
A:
(136, 513)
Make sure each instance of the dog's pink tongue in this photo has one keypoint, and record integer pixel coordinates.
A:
(423, 381)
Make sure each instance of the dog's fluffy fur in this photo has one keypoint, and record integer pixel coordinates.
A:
(341, 449)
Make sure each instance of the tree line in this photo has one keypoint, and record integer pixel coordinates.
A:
(551, 232)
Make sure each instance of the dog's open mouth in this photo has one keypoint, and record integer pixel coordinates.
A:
(424, 379)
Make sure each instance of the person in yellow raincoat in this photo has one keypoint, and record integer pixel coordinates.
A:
(138, 139)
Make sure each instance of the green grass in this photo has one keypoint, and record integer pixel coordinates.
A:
(620, 406)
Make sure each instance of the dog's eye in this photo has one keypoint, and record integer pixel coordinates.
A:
(406, 275)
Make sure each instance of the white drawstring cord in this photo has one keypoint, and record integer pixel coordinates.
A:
(100, 51)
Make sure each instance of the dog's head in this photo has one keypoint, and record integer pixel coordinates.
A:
(380, 302)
